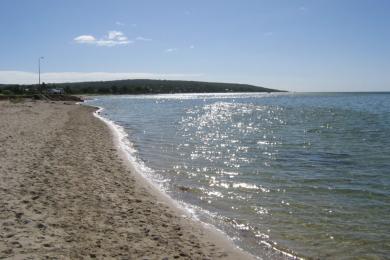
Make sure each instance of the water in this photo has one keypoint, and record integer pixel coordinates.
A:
(305, 174)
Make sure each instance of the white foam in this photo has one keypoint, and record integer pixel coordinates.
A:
(126, 147)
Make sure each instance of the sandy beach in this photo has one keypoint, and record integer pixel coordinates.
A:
(66, 192)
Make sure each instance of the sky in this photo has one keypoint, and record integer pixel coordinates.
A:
(294, 45)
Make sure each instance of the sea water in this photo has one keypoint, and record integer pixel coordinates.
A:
(302, 174)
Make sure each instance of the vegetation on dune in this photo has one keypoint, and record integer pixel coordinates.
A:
(135, 86)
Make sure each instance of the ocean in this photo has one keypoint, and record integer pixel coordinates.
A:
(294, 174)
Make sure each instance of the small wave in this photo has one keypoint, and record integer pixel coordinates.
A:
(249, 186)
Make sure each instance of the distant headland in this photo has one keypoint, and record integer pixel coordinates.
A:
(132, 86)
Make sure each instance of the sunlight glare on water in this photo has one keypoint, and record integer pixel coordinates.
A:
(306, 174)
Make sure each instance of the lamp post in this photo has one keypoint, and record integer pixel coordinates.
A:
(39, 73)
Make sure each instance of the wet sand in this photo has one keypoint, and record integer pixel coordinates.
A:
(66, 191)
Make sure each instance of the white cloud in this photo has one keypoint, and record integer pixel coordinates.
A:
(119, 23)
(170, 50)
(111, 43)
(114, 34)
(85, 39)
(140, 38)
(23, 77)
(122, 38)
(113, 38)
(192, 46)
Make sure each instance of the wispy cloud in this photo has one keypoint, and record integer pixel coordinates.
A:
(192, 47)
(170, 50)
(119, 23)
(23, 77)
(140, 38)
(113, 38)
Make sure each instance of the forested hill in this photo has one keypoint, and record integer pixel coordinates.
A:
(141, 86)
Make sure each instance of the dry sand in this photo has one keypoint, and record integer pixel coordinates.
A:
(67, 193)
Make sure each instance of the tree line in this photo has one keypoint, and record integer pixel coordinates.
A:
(134, 86)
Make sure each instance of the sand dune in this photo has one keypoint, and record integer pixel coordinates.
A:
(66, 193)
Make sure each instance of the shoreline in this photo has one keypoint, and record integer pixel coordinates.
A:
(120, 139)
(123, 144)
(66, 192)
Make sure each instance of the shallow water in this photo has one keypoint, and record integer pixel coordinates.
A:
(307, 174)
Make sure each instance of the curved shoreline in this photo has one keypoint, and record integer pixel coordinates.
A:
(217, 236)
(66, 192)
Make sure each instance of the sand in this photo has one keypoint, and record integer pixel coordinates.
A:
(66, 192)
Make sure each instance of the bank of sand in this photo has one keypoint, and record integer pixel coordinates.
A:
(65, 192)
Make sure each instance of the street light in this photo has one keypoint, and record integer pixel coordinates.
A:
(39, 73)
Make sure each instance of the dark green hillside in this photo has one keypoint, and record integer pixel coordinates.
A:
(136, 86)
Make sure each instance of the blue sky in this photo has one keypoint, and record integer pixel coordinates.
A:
(322, 45)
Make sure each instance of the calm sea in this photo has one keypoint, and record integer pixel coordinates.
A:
(305, 174)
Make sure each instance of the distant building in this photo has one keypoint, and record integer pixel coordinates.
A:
(55, 91)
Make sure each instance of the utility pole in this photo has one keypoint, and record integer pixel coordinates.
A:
(39, 73)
